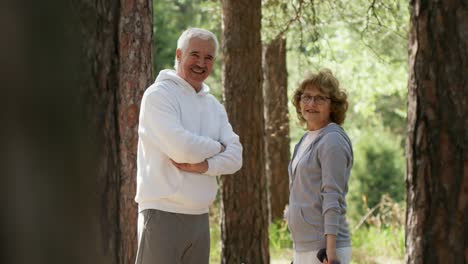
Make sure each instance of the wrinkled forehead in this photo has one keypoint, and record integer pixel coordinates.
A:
(199, 45)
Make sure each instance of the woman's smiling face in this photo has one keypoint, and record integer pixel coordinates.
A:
(315, 108)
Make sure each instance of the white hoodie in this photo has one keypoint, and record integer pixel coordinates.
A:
(180, 124)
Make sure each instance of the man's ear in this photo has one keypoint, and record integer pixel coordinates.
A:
(178, 54)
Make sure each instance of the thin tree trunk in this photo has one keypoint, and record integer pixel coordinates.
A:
(275, 94)
(437, 179)
(135, 74)
(244, 219)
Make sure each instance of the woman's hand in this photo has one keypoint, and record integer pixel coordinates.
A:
(331, 259)
(331, 250)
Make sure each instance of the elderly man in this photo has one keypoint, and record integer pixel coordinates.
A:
(185, 141)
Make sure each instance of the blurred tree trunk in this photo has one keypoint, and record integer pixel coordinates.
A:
(100, 83)
(78, 71)
(275, 94)
(244, 219)
(437, 180)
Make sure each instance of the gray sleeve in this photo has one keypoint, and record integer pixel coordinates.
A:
(334, 158)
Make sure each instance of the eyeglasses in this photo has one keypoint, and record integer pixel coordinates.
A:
(318, 99)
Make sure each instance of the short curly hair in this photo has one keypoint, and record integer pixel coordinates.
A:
(328, 84)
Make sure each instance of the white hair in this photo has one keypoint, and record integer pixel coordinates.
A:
(191, 33)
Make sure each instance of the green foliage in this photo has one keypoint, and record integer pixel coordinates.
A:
(378, 245)
(387, 213)
(215, 243)
(365, 45)
(171, 18)
(379, 168)
(278, 17)
(167, 28)
(279, 235)
(382, 240)
(215, 235)
(280, 242)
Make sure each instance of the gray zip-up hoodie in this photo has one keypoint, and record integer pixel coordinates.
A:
(318, 187)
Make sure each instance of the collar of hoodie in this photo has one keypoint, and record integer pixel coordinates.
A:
(171, 75)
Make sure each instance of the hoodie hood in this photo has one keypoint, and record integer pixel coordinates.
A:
(171, 76)
(332, 127)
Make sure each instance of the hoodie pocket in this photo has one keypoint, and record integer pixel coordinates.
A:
(305, 224)
(196, 191)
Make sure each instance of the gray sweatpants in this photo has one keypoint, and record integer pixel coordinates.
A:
(165, 237)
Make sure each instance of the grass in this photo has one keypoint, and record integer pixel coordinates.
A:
(379, 240)
(371, 244)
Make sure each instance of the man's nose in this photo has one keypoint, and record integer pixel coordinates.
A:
(201, 62)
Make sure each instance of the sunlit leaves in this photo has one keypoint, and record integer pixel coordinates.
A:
(171, 17)
(365, 44)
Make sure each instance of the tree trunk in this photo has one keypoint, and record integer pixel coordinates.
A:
(120, 50)
(80, 69)
(47, 162)
(437, 180)
(275, 94)
(135, 74)
(100, 83)
(244, 219)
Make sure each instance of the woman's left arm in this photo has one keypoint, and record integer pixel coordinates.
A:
(335, 159)
(331, 248)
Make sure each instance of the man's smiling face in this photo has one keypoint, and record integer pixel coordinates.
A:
(196, 62)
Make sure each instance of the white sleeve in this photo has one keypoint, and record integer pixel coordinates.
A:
(160, 124)
(230, 160)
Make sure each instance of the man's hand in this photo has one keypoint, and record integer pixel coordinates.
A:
(201, 167)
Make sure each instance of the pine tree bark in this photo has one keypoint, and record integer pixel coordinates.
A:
(135, 74)
(437, 179)
(275, 94)
(244, 216)
(120, 52)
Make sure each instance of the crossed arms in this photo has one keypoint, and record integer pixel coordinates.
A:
(186, 150)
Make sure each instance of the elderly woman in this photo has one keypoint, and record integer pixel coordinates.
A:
(319, 172)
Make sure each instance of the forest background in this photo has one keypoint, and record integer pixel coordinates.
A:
(74, 73)
(365, 44)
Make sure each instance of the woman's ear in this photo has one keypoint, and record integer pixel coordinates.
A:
(332, 107)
